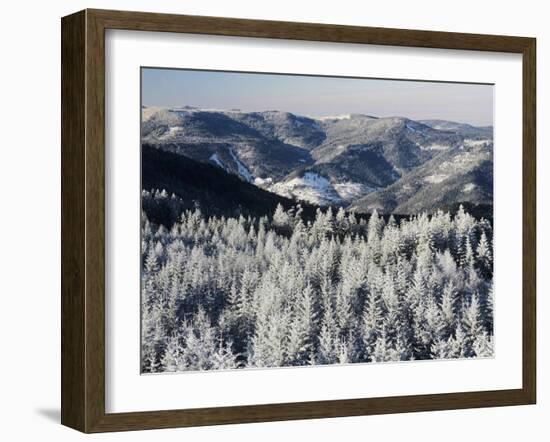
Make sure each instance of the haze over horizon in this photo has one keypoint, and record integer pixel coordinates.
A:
(317, 96)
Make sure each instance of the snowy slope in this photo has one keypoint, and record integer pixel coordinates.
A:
(352, 160)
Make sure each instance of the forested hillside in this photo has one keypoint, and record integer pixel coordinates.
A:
(223, 292)
(359, 162)
(196, 184)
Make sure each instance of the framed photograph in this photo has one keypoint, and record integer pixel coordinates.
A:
(266, 221)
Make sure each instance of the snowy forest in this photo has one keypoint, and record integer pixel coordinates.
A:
(222, 292)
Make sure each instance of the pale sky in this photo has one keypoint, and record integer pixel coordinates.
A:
(318, 96)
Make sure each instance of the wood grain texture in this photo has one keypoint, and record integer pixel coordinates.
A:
(73, 255)
(144, 21)
(529, 221)
(95, 221)
(83, 220)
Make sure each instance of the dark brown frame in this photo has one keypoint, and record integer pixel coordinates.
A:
(83, 217)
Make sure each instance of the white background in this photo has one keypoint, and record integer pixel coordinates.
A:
(128, 391)
(30, 222)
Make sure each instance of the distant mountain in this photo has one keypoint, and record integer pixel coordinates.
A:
(356, 161)
(362, 154)
(460, 174)
(285, 127)
(405, 143)
(244, 144)
(466, 130)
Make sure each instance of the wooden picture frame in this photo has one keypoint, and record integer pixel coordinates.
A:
(83, 220)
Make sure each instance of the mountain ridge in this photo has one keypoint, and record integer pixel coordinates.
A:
(359, 162)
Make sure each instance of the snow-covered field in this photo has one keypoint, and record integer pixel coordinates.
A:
(469, 187)
(310, 187)
(349, 191)
(434, 179)
(434, 147)
(316, 189)
(474, 143)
